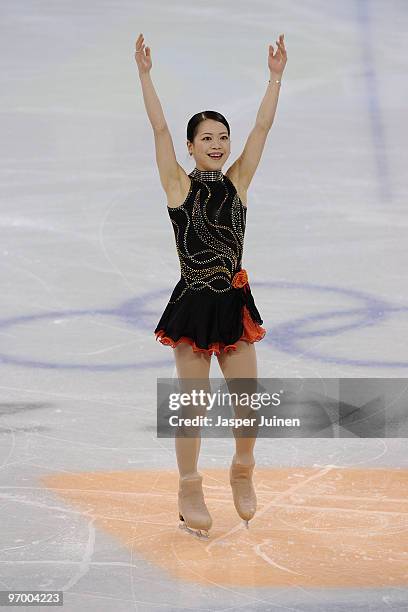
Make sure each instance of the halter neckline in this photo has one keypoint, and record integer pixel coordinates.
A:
(207, 175)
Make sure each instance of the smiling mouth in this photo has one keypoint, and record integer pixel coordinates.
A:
(217, 156)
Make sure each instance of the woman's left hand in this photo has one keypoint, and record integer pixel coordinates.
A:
(277, 62)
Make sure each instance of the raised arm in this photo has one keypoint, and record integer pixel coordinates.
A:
(243, 169)
(169, 169)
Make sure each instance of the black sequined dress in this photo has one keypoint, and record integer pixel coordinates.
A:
(211, 306)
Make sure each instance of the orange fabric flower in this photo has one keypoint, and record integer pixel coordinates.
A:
(240, 279)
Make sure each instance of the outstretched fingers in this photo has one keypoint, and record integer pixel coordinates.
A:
(139, 42)
(280, 47)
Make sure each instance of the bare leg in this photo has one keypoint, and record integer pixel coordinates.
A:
(193, 370)
(234, 365)
(190, 365)
(242, 364)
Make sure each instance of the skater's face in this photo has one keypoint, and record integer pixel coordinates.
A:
(211, 137)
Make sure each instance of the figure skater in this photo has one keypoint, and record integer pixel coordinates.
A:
(211, 309)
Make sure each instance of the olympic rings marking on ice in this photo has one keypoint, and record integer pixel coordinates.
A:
(285, 337)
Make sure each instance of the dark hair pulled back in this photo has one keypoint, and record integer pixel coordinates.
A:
(196, 119)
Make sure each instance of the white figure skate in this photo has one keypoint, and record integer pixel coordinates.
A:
(243, 490)
(193, 513)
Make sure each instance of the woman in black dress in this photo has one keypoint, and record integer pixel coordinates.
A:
(211, 309)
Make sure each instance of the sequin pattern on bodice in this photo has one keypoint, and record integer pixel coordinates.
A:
(209, 228)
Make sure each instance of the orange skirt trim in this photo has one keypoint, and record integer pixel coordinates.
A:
(253, 332)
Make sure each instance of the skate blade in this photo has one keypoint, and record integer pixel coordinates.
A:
(199, 533)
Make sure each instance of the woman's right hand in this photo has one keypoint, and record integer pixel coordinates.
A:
(142, 56)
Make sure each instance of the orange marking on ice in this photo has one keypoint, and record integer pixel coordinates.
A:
(315, 527)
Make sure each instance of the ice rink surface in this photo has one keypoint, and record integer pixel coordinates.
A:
(88, 262)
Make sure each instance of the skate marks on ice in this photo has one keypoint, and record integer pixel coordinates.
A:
(315, 527)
